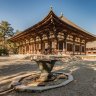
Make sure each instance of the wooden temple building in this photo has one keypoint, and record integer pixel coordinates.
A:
(62, 35)
(91, 48)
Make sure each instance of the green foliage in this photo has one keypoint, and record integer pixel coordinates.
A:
(12, 47)
(5, 29)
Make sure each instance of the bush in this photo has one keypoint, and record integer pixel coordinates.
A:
(3, 52)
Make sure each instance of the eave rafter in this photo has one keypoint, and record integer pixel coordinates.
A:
(52, 23)
(74, 30)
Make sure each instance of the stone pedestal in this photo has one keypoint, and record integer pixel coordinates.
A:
(45, 67)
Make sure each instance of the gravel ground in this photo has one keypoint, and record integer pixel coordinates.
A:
(84, 73)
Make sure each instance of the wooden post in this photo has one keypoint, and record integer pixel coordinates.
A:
(25, 47)
(85, 47)
(35, 44)
(56, 37)
(41, 44)
(80, 46)
(57, 43)
(29, 47)
(22, 47)
(19, 49)
(65, 41)
(48, 40)
(74, 44)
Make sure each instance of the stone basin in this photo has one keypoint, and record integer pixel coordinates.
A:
(35, 83)
(45, 66)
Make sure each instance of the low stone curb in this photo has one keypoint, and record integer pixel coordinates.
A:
(20, 87)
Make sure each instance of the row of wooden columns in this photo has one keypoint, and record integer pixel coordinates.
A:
(31, 47)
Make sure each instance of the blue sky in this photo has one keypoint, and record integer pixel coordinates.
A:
(22, 14)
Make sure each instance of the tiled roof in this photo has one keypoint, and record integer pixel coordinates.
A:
(74, 25)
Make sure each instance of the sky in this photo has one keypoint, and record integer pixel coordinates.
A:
(22, 14)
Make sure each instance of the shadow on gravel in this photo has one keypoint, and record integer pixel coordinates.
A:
(20, 67)
(84, 74)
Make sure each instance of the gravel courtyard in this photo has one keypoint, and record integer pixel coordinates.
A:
(84, 73)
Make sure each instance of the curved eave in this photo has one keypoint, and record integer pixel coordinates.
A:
(34, 27)
(50, 16)
(64, 19)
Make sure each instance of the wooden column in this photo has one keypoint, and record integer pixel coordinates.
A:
(25, 48)
(74, 44)
(85, 47)
(48, 39)
(22, 48)
(65, 42)
(56, 38)
(29, 47)
(80, 46)
(41, 43)
(35, 45)
(19, 48)
(57, 43)
(55, 32)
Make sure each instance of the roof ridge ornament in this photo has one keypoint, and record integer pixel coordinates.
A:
(61, 15)
(51, 8)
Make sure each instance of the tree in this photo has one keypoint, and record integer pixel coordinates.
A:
(5, 31)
